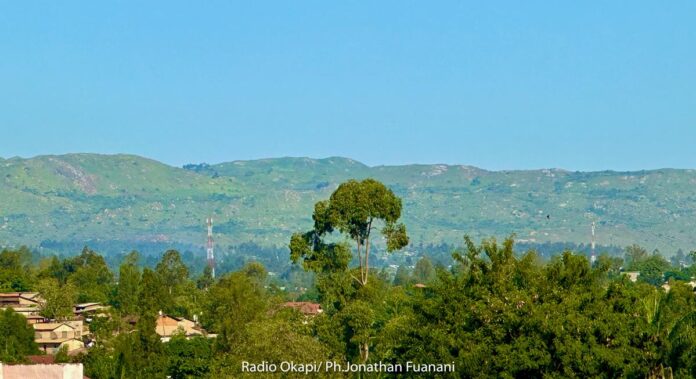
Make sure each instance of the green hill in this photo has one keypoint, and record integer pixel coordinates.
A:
(130, 199)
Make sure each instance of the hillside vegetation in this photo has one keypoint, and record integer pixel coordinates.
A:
(130, 199)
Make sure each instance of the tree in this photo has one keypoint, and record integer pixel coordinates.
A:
(206, 279)
(274, 340)
(682, 338)
(91, 276)
(692, 256)
(678, 259)
(172, 270)
(354, 209)
(188, 358)
(140, 354)
(497, 315)
(233, 301)
(62, 355)
(154, 295)
(402, 277)
(128, 285)
(15, 270)
(424, 271)
(17, 337)
(652, 269)
(57, 300)
(634, 254)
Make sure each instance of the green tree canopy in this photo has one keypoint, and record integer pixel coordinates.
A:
(58, 300)
(128, 287)
(402, 277)
(15, 270)
(354, 209)
(17, 337)
(424, 271)
(172, 271)
(90, 276)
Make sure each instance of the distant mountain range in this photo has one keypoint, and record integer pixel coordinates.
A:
(127, 199)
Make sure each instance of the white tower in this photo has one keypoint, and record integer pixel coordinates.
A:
(593, 258)
(210, 254)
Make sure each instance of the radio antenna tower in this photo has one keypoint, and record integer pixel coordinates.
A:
(210, 255)
(593, 258)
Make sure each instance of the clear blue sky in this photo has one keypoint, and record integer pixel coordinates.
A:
(500, 85)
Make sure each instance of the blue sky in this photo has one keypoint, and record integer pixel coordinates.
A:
(500, 85)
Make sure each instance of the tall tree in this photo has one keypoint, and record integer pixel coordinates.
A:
(172, 270)
(233, 301)
(58, 299)
(635, 253)
(154, 295)
(401, 278)
(424, 271)
(354, 209)
(128, 285)
(91, 276)
(206, 279)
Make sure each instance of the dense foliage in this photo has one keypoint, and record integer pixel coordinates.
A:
(493, 314)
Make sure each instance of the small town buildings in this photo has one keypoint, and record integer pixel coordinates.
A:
(305, 307)
(88, 311)
(167, 326)
(20, 299)
(28, 304)
(52, 336)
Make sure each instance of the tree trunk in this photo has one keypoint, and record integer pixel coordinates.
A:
(360, 259)
(364, 351)
(367, 252)
(367, 260)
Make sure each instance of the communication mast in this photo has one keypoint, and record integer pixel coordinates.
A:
(593, 258)
(210, 254)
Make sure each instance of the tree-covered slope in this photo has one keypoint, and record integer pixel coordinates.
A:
(88, 197)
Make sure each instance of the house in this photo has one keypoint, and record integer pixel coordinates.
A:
(35, 319)
(632, 275)
(90, 310)
(42, 371)
(52, 336)
(28, 304)
(20, 299)
(26, 311)
(305, 307)
(83, 308)
(167, 326)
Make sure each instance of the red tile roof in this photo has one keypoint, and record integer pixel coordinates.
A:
(307, 308)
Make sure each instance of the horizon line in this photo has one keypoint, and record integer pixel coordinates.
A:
(349, 159)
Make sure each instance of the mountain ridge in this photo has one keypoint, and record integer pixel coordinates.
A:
(126, 197)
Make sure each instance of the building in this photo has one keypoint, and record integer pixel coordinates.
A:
(28, 304)
(167, 326)
(42, 371)
(90, 310)
(632, 275)
(20, 299)
(52, 336)
(305, 307)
